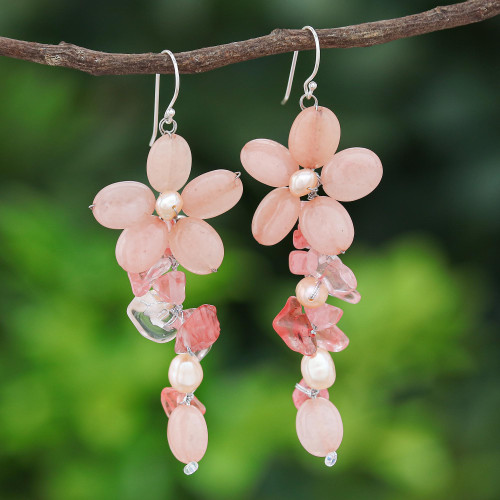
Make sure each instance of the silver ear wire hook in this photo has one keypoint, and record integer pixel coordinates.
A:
(309, 85)
(168, 117)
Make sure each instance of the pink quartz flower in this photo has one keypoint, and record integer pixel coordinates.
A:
(145, 238)
(305, 331)
(346, 176)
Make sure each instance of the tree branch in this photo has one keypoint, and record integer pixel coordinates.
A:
(278, 42)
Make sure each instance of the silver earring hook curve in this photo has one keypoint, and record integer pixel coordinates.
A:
(168, 117)
(309, 85)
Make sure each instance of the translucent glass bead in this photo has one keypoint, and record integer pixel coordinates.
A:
(154, 319)
(190, 468)
(331, 459)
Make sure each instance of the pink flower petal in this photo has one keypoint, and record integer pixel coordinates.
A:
(268, 161)
(275, 216)
(211, 194)
(351, 174)
(326, 225)
(196, 245)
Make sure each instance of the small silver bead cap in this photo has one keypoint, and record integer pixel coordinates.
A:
(191, 468)
(331, 459)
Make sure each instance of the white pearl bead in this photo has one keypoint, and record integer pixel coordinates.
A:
(318, 370)
(185, 373)
(311, 292)
(167, 202)
(302, 181)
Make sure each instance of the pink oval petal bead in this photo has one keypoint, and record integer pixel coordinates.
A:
(319, 427)
(351, 174)
(326, 225)
(141, 246)
(169, 163)
(212, 194)
(196, 245)
(314, 137)
(123, 204)
(275, 216)
(268, 161)
(187, 434)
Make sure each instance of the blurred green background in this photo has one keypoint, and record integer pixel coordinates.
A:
(418, 387)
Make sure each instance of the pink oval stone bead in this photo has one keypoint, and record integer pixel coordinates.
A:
(314, 137)
(141, 246)
(351, 174)
(196, 245)
(319, 427)
(275, 216)
(187, 434)
(212, 194)
(268, 161)
(326, 225)
(169, 163)
(123, 204)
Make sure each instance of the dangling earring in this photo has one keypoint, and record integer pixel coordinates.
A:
(150, 248)
(307, 324)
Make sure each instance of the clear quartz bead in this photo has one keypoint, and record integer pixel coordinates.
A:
(154, 319)
(190, 468)
(331, 459)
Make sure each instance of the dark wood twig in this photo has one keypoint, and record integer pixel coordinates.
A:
(278, 42)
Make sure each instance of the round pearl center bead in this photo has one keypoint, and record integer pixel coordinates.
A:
(311, 292)
(303, 181)
(168, 205)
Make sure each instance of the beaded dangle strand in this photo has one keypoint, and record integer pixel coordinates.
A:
(150, 249)
(307, 324)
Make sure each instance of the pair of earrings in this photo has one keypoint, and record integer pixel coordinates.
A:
(151, 248)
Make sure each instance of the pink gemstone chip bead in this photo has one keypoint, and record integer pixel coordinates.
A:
(199, 331)
(299, 398)
(299, 242)
(171, 287)
(338, 278)
(324, 316)
(332, 339)
(292, 325)
(171, 399)
(142, 282)
(304, 263)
